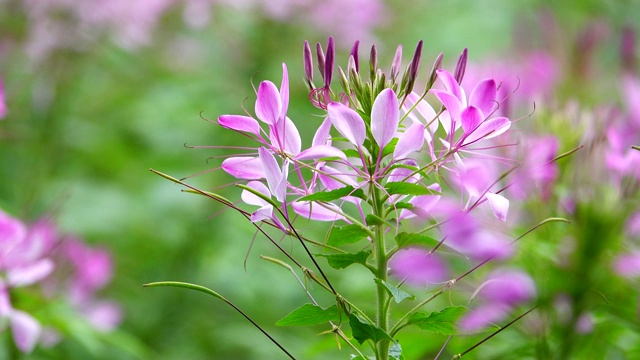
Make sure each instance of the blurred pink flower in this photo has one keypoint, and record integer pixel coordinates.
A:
(628, 265)
(3, 102)
(418, 267)
(537, 171)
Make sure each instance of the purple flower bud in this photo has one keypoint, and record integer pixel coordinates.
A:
(354, 54)
(329, 61)
(373, 61)
(321, 58)
(413, 68)
(308, 63)
(433, 74)
(395, 66)
(461, 66)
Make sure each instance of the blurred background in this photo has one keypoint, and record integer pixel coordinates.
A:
(96, 92)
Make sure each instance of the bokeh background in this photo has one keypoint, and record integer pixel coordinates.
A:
(98, 92)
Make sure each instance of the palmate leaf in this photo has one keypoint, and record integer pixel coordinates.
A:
(363, 331)
(441, 322)
(335, 194)
(346, 235)
(405, 188)
(341, 261)
(309, 314)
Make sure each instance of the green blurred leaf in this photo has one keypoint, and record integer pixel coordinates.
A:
(408, 239)
(341, 261)
(334, 194)
(405, 188)
(346, 235)
(398, 295)
(363, 331)
(374, 220)
(309, 314)
(441, 322)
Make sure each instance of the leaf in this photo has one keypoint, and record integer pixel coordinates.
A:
(403, 205)
(441, 322)
(363, 331)
(334, 194)
(408, 239)
(390, 147)
(374, 220)
(341, 261)
(309, 314)
(398, 295)
(405, 188)
(352, 153)
(346, 235)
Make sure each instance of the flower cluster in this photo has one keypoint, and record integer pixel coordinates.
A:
(64, 268)
(384, 160)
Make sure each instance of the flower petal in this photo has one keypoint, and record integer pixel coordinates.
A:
(274, 174)
(26, 330)
(240, 123)
(411, 140)
(322, 134)
(452, 86)
(253, 199)
(483, 96)
(319, 212)
(285, 136)
(499, 205)
(284, 91)
(347, 122)
(321, 151)
(471, 118)
(385, 117)
(243, 167)
(29, 274)
(268, 105)
(488, 129)
(418, 267)
(263, 213)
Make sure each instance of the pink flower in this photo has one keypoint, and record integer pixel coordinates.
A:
(418, 267)
(3, 103)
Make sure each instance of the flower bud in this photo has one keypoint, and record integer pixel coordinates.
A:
(320, 57)
(433, 75)
(373, 61)
(395, 65)
(308, 63)
(354, 55)
(461, 66)
(329, 61)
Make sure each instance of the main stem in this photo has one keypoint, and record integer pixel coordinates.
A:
(381, 266)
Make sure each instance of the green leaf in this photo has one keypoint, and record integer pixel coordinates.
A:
(405, 188)
(363, 331)
(334, 194)
(346, 235)
(441, 322)
(341, 261)
(309, 314)
(390, 147)
(398, 295)
(352, 153)
(408, 239)
(403, 205)
(374, 220)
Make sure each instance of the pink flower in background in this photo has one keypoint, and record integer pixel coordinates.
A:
(537, 171)
(502, 291)
(418, 267)
(3, 101)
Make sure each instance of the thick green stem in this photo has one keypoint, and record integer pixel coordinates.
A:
(382, 315)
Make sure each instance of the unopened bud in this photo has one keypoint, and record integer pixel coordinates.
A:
(308, 63)
(344, 81)
(354, 54)
(329, 61)
(461, 66)
(413, 68)
(320, 57)
(373, 61)
(395, 65)
(432, 75)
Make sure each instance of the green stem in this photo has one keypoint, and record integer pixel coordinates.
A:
(382, 313)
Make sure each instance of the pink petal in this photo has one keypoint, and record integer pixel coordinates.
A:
(499, 205)
(321, 151)
(12, 233)
(483, 96)
(315, 211)
(488, 129)
(243, 167)
(263, 213)
(285, 136)
(5, 303)
(510, 287)
(333, 179)
(347, 122)
(30, 274)
(26, 330)
(628, 265)
(253, 199)
(483, 316)
(452, 86)
(471, 117)
(411, 140)
(424, 109)
(284, 91)
(268, 105)
(273, 174)
(385, 117)
(418, 267)
(322, 134)
(240, 123)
